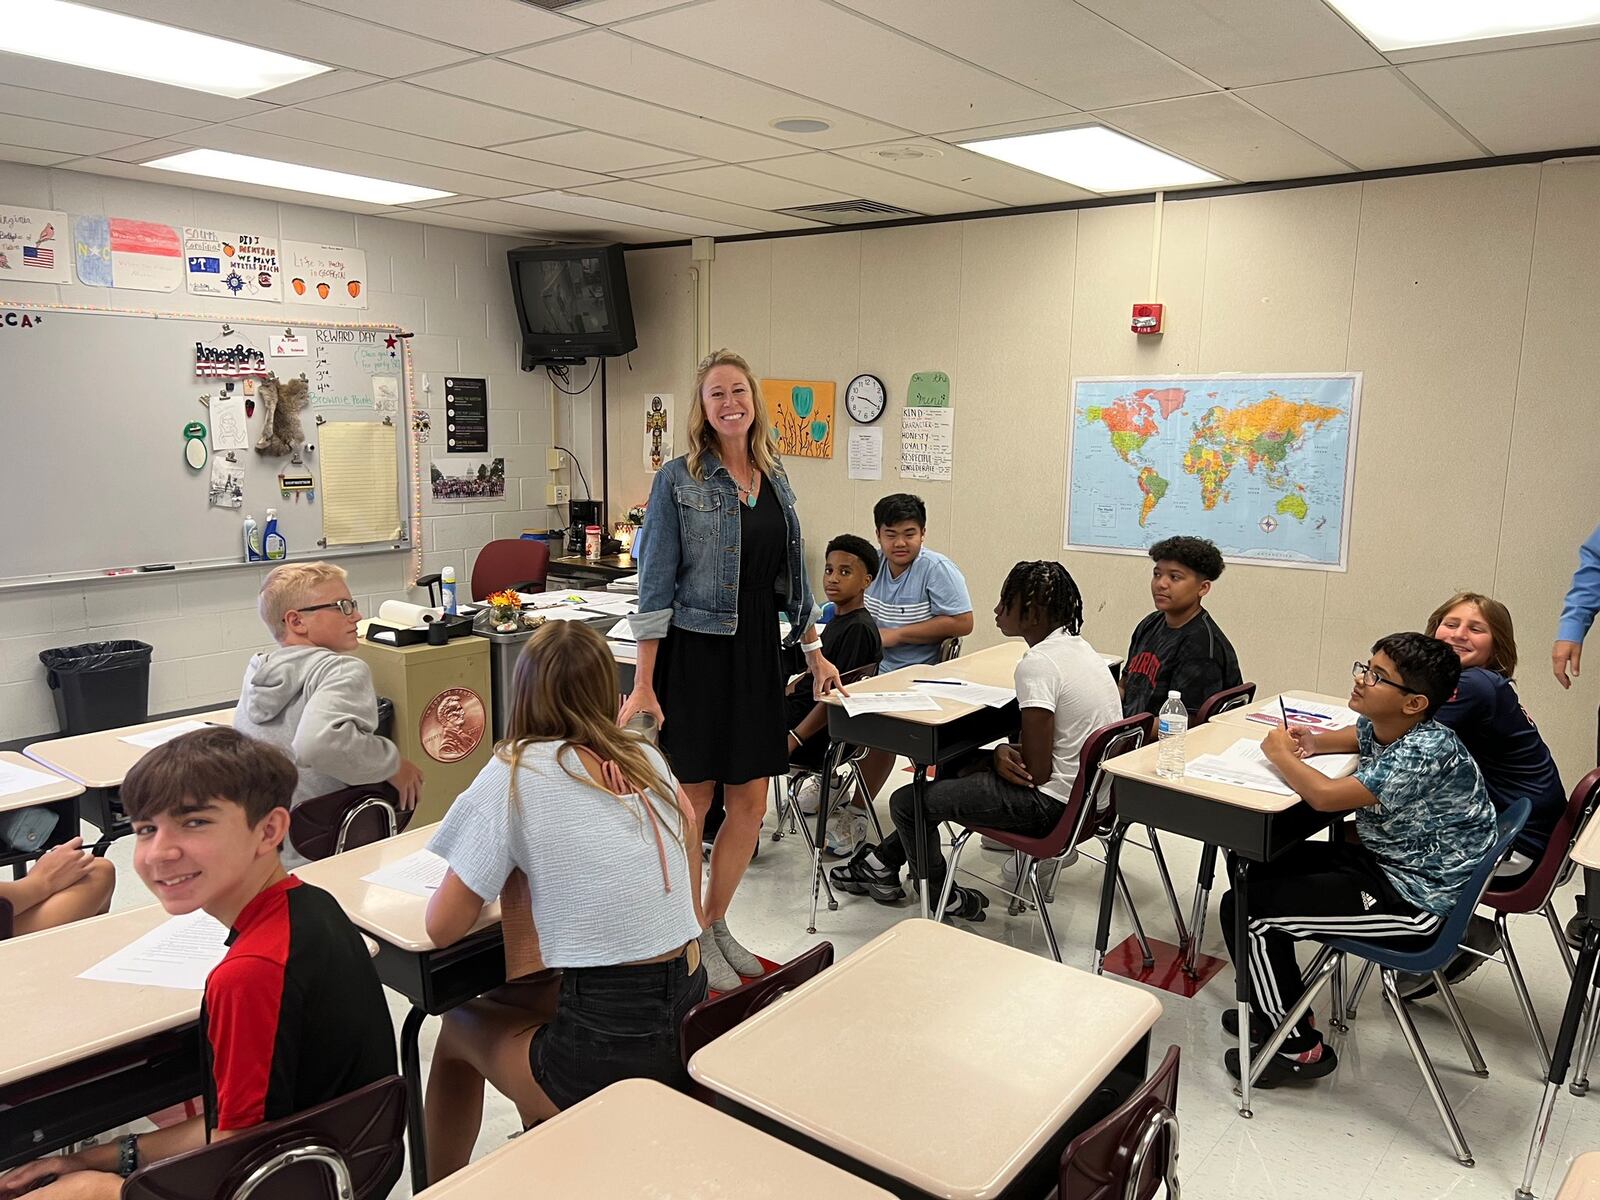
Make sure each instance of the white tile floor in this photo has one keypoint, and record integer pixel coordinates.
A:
(1368, 1132)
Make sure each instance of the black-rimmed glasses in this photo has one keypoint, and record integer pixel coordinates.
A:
(1364, 674)
(347, 608)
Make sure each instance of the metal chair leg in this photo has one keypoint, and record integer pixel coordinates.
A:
(1166, 884)
(1322, 966)
(1541, 1131)
(1560, 935)
(1520, 985)
(1591, 1030)
(1419, 1053)
(956, 847)
(860, 785)
(1336, 1019)
(1044, 912)
(1138, 925)
(1355, 992)
(1017, 904)
(1463, 1031)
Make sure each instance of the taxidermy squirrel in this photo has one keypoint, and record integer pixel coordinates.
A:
(283, 400)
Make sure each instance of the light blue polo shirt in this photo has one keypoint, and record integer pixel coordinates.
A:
(931, 586)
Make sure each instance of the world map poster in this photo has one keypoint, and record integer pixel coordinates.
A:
(1260, 464)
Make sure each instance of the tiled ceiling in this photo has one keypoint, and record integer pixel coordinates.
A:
(646, 120)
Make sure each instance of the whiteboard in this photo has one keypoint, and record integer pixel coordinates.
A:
(93, 405)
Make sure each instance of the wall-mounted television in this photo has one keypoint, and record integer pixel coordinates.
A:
(572, 302)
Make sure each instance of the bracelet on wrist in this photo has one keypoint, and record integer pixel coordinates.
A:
(809, 647)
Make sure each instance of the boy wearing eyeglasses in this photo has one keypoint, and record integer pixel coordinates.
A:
(311, 697)
(1424, 820)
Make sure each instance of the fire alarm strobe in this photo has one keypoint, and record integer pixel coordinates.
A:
(1146, 318)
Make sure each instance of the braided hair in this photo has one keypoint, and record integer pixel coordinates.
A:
(1044, 587)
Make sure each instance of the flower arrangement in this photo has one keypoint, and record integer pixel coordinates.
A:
(506, 607)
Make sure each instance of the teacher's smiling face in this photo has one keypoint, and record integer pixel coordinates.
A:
(729, 406)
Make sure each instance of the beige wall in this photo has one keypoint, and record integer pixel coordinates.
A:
(1468, 299)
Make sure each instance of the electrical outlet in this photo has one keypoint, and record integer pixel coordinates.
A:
(554, 460)
(557, 493)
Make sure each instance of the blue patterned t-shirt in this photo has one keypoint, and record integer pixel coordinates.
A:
(1433, 821)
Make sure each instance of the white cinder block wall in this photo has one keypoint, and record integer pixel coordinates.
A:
(450, 286)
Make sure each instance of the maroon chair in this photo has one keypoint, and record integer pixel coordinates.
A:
(1225, 701)
(351, 1148)
(713, 1017)
(354, 816)
(1112, 1160)
(510, 563)
(1085, 816)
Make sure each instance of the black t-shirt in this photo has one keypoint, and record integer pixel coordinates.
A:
(1195, 659)
(1489, 719)
(849, 642)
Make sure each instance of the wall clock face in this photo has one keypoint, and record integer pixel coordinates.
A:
(865, 398)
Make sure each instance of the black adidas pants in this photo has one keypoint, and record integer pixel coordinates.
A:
(1333, 889)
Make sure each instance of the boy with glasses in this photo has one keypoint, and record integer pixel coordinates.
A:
(1424, 820)
(311, 697)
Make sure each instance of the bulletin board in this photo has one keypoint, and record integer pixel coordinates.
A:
(94, 404)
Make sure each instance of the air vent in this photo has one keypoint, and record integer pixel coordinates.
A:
(848, 212)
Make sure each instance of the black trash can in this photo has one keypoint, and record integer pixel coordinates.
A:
(99, 685)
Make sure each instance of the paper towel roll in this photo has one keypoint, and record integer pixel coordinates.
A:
(407, 616)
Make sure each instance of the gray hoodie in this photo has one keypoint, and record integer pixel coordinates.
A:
(321, 709)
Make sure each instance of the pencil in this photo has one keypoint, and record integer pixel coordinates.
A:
(1284, 711)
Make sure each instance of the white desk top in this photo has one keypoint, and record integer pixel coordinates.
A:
(101, 760)
(1583, 1178)
(1211, 738)
(996, 666)
(1241, 715)
(638, 1139)
(981, 1052)
(56, 788)
(1586, 852)
(396, 918)
(54, 1018)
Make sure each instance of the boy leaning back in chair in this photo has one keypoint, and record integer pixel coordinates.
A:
(294, 1015)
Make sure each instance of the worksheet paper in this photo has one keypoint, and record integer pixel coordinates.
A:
(15, 780)
(888, 702)
(622, 631)
(178, 953)
(968, 693)
(1245, 764)
(1301, 711)
(617, 606)
(565, 614)
(151, 738)
(558, 599)
(865, 452)
(418, 874)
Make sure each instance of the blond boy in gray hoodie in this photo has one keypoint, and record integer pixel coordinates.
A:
(311, 697)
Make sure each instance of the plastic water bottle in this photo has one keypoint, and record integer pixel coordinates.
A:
(447, 590)
(1172, 724)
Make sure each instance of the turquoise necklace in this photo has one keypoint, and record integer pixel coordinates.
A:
(747, 495)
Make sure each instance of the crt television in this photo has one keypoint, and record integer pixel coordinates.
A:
(572, 303)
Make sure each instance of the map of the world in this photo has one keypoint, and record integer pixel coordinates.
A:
(1260, 464)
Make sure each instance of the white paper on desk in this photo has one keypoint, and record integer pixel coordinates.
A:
(418, 874)
(619, 606)
(1301, 711)
(626, 582)
(866, 452)
(1245, 764)
(1334, 766)
(15, 780)
(562, 598)
(151, 738)
(622, 631)
(565, 614)
(969, 693)
(178, 953)
(888, 702)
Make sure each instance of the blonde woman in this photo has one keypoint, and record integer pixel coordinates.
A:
(719, 555)
(590, 814)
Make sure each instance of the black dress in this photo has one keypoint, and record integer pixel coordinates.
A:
(723, 696)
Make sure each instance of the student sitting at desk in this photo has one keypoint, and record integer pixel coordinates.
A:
(610, 847)
(1064, 692)
(312, 698)
(1179, 646)
(66, 883)
(1424, 820)
(294, 1015)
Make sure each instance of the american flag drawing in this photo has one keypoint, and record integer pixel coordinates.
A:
(39, 256)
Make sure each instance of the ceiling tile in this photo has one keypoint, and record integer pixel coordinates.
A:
(1373, 119)
(97, 114)
(688, 164)
(1226, 136)
(434, 114)
(1519, 101)
(455, 221)
(1235, 43)
(857, 178)
(614, 210)
(841, 58)
(969, 172)
(604, 12)
(741, 185)
(483, 25)
(52, 135)
(352, 135)
(36, 73)
(566, 100)
(329, 83)
(1053, 46)
(559, 223)
(631, 68)
(594, 152)
(647, 195)
(37, 158)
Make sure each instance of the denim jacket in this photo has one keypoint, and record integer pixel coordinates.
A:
(688, 552)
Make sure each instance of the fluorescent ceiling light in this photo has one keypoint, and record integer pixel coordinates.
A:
(293, 177)
(1403, 24)
(105, 41)
(1094, 158)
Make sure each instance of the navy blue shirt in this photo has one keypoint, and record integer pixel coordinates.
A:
(1490, 720)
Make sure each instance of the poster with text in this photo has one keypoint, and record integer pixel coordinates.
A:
(141, 256)
(802, 415)
(466, 415)
(927, 442)
(33, 245)
(222, 263)
(658, 414)
(332, 275)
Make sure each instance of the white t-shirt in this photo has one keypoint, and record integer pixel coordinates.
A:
(594, 876)
(1064, 675)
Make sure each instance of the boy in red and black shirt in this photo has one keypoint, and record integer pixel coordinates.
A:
(1178, 648)
(294, 1015)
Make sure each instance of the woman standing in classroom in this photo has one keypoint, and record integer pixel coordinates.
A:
(720, 548)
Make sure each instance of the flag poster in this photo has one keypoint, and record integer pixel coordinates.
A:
(224, 263)
(34, 246)
(116, 252)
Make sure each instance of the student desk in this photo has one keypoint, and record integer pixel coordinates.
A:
(1583, 1178)
(986, 1061)
(58, 794)
(1581, 1003)
(574, 570)
(926, 738)
(81, 1056)
(1250, 826)
(434, 980)
(1241, 715)
(639, 1140)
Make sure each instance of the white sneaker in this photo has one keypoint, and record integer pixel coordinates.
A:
(847, 829)
(809, 795)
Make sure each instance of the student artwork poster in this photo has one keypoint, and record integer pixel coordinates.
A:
(34, 246)
(223, 263)
(335, 276)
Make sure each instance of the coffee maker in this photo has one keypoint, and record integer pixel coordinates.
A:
(581, 514)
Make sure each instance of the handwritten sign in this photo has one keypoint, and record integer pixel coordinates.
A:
(34, 246)
(219, 263)
(335, 276)
(929, 389)
(927, 442)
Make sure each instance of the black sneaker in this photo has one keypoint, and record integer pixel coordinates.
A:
(1575, 927)
(1260, 1031)
(1289, 1068)
(861, 878)
(966, 904)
